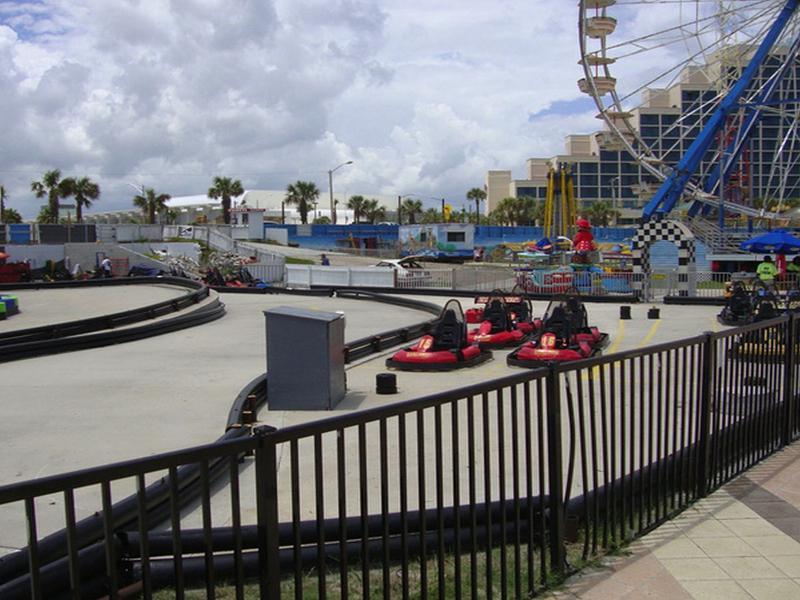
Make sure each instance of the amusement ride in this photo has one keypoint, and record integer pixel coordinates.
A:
(736, 63)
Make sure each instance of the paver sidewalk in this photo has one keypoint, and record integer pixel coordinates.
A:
(741, 542)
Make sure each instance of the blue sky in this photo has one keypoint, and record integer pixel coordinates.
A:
(423, 97)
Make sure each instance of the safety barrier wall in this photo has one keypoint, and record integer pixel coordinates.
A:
(480, 488)
(305, 276)
(479, 279)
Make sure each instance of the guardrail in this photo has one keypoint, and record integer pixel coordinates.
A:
(477, 489)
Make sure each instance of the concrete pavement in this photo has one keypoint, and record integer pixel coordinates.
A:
(50, 306)
(740, 543)
(92, 407)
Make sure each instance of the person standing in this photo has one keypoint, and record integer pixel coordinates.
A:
(767, 271)
(105, 266)
(793, 268)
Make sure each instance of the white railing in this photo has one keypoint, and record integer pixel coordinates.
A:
(268, 273)
(441, 279)
(483, 279)
(129, 232)
(305, 276)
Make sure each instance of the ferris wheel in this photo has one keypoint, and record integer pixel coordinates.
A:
(703, 94)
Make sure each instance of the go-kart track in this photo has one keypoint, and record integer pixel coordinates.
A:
(90, 407)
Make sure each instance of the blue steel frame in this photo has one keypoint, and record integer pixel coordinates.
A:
(734, 149)
(672, 188)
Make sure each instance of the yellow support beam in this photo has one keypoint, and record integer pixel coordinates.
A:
(559, 207)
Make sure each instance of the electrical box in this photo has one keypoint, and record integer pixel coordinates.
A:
(305, 359)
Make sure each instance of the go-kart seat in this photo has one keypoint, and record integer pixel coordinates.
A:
(559, 322)
(449, 332)
(521, 311)
(740, 303)
(766, 309)
(573, 304)
(495, 313)
(577, 312)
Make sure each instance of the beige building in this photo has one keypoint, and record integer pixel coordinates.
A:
(668, 121)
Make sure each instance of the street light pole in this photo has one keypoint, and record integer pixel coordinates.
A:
(330, 188)
(139, 188)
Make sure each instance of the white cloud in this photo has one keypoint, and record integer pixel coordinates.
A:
(423, 96)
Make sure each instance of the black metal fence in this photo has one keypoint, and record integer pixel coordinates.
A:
(486, 491)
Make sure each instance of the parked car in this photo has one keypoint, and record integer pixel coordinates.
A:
(410, 273)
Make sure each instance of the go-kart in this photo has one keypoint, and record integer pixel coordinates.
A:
(762, 345)
(9, 305)
(575, 311)
(566, 336)
(758, 302)
(793, 301)
(498, 328)
(766, 305)
(518, 306)
(239, 278)
(445, 349)
(739, 309)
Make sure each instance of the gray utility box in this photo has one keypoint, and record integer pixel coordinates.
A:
(305, 359)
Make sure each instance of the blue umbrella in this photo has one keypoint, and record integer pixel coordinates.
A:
(775, 242)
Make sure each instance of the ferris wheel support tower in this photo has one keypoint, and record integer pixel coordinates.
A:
(708, 103)
(673, 187)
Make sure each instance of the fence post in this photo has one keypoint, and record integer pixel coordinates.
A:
(555, 467)
(704, 424)
(788, 381)
(267, 514)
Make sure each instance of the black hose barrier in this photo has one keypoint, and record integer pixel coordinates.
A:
(47, 332)
(28, 349)
(326, 290)
(53, 548)
(162, 571)
(695, 300)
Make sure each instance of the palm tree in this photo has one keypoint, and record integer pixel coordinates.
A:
(504, 212)
(304, 194)
(84, 191)
(10, 216)
(601, 214)
(171, 216)
(54, 188)
(45, 216)
(374, 212)
(225, 188)
(411, 208)
(151, 203)
(537, 213)
(431, 216)
(357, 204)
(477, 194)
